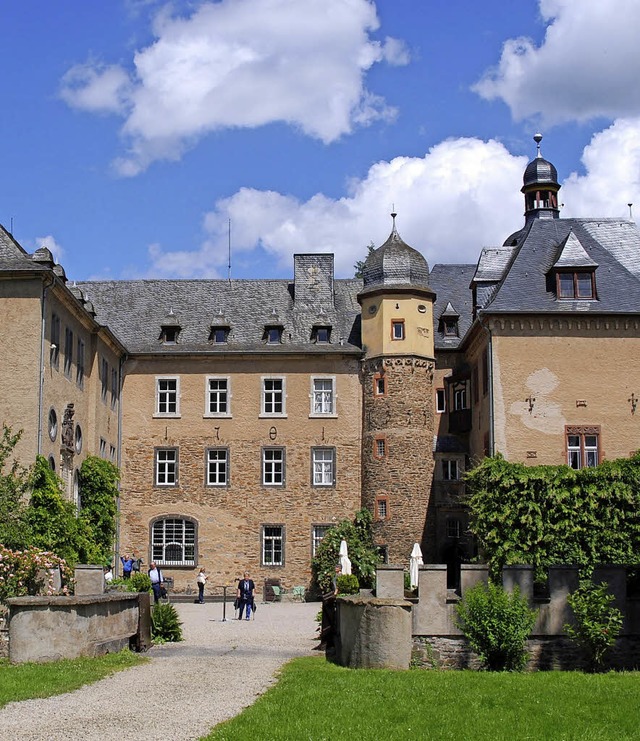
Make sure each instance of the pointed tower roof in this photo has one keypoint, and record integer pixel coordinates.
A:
(573, 255)
(396, 266)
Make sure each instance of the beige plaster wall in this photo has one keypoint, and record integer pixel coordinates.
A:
(377, 315)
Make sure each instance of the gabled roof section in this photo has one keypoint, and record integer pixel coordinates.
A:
(450, 312)
(573, 254)
(611, 244)
(493, 263)
(451, 285)
(13, 256)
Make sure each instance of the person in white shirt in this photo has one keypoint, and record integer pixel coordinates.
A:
(157, 581)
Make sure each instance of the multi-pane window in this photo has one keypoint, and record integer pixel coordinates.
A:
(112, 453)
(167, 396)
(273, 396)
(219, 335)
(80, 363)
(323, 464)
(103, 448)
(582, 446)
(318, 533)
(272, 545)
(453, 527)
(218, 396)
(450, 326)
(380, 447)
(579, 284)
(382, 508)
(450, 469)
(397, 329)
(173, 542)
(273, 335)
(441, 401)
(379, 385)
(166, 466)
(55, 340)
(104, 379)
(68, 351)
(460, 396)
(322, 397)
(273, 466)
(321, 334)
(217, 467)
(114, 388)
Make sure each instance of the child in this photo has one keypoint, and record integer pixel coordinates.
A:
(201, 581)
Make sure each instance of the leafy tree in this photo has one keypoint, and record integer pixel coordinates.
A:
(359, 264)
(14, 487)
(52, 519)
(362, 551)
(545, 515)
(598, 622)
(99, 496)
(496, 623)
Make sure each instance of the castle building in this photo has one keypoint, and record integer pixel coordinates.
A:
(249, 416)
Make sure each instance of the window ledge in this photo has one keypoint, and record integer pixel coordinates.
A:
(318, 415)
(216, 416)
(264, 415)
(158, 415)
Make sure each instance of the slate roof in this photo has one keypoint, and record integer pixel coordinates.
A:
(12, 256)
(136, 310)
(611, 244)
(451, 285)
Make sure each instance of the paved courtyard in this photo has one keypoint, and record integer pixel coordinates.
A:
(185, 689)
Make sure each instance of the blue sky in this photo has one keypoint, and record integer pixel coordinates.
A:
(132, 131)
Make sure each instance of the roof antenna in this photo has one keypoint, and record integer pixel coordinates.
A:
(537, 138)
(229, 264)
(630, 211)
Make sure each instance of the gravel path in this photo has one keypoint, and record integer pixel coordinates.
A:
(184, 690)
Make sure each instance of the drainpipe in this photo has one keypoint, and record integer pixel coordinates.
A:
(121, 363)
(46, 285)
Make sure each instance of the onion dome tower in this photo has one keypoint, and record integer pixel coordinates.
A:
(398, 405)
(540, 188)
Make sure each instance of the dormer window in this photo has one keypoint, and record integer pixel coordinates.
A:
(321, 333)
(169, 335)
(450, 327)
(576, 284)
(219, 334)
(273, 334)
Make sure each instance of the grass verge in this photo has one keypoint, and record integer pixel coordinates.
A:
(315, 700)
(28, 681)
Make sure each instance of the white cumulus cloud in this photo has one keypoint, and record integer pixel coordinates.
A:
(586, 67)
(462, 195)
(241, 63)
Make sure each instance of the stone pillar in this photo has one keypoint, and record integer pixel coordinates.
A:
(521, 577)
(374, 633)
(390, 581)
(430, 615)
(472, 574)
(89, 580)
(563, 580)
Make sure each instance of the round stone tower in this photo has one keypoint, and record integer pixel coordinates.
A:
(398, 406)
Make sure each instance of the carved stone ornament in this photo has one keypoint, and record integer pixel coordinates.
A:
(67, 428)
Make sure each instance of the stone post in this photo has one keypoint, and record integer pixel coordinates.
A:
(89, 580)
(472, 574)
(521, 577)
(390, 581)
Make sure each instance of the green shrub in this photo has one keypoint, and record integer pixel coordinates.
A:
(348, 584)
(496, 623)
(138, 582)
(165, 623)
(598, 623)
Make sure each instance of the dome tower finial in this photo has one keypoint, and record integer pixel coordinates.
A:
(537, 138)
(540, 187)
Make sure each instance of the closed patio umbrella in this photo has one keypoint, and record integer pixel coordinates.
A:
(345, 561)
(415, 561)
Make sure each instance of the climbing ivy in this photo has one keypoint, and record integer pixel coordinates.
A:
(99, 503)
(544, 515)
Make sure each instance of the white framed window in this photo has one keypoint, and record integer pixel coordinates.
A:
(273, 397)
(583, 446)
(68, 351)
(114, 388)
(317, 534)
(460, 398)
(272, 545)
(80, 363)
(397, 329)
(168, 396)
(323, 465)
(450, 469)
(441, 401)
(323, 396)
(218, 401)
(104, 379)
(273, 462)
(217, 467)
(55, 341)
(173, 542)
(166, 466)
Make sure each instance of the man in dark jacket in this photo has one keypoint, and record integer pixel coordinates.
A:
(245, 595)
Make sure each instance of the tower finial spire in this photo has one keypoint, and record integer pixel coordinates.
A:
(393, 216)
(537, 138)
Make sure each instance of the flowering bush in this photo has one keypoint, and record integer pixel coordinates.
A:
(28, 572)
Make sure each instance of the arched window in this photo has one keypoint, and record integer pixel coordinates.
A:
(173, 542)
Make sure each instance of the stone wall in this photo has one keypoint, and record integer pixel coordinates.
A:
(51, 628)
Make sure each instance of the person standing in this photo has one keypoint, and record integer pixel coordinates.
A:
(157, 581)
(201, 580)
(245, 595)
(127, 565)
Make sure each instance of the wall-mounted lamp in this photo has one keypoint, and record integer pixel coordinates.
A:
(633, 400)
(530, 400)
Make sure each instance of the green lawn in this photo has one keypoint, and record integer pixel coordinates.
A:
(27, 681)
(316, 700)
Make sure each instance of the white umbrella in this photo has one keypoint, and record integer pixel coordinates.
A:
(414, 562)
(345, 561)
